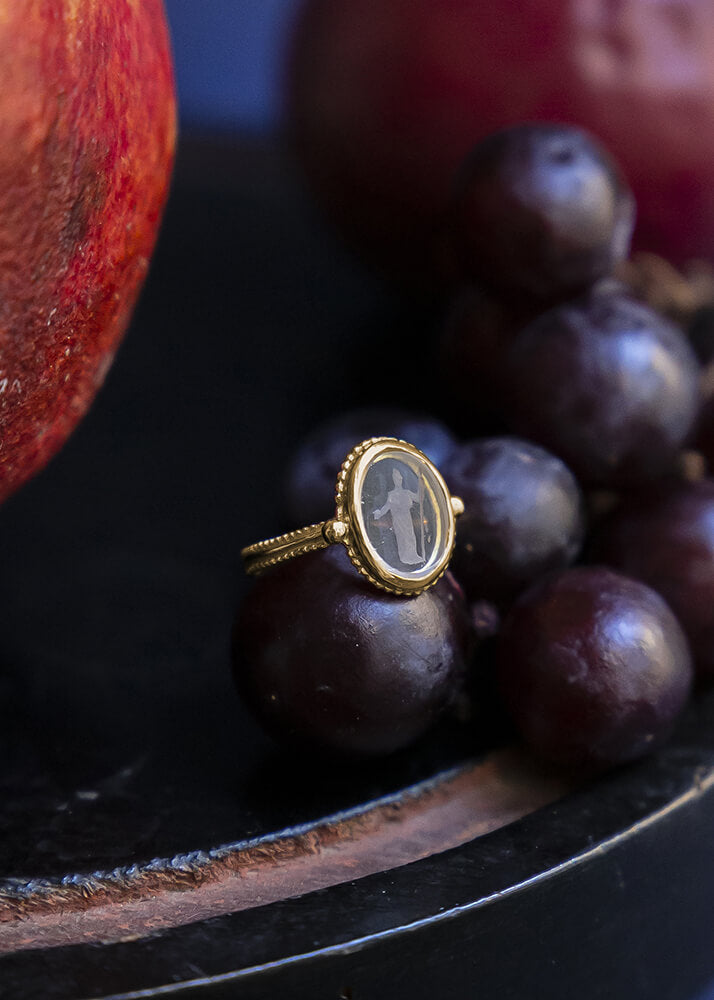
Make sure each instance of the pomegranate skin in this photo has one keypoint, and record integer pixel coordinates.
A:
(87, 135)
(386, 97)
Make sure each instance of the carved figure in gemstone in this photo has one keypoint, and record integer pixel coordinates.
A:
(399, 504)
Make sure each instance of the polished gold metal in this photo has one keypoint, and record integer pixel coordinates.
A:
(350, 528)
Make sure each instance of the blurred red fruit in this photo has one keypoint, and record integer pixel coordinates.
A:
(87, 133)
(385, 98)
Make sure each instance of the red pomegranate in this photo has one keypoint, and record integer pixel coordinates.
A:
(87, 133)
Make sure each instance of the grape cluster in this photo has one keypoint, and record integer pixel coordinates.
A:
(585, 556)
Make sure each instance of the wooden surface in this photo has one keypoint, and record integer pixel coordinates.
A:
(152, 836)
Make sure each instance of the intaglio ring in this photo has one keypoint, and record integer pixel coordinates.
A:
(394, 515)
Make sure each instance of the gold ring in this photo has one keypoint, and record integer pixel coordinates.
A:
(394, 515)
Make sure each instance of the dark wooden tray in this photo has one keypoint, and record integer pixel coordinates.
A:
(155, 843)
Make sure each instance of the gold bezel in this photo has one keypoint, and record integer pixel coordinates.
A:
(359, 549)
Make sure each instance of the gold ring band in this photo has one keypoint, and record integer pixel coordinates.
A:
(272, 551)
(394, 514)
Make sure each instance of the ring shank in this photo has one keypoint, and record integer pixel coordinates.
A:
(272, 551)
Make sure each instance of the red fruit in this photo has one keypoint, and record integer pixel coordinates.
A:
(87, 133)
(386, 97)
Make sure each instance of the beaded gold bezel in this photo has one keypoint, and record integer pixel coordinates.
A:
(359, 548)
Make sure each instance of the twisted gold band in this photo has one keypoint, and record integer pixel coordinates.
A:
(272, 551)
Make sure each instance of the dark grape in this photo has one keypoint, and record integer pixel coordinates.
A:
(474, 340)
(312, 474)
(523, 517)
(541, 209)
(703, 437)
(593, 667)
(485, 620)
(606, 384)
(666, 539)
(701, 333)
(324, 658)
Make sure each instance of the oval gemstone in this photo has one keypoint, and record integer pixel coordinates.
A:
(404, 515)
